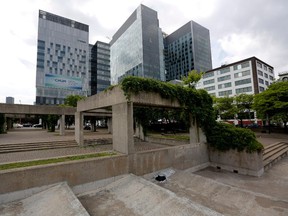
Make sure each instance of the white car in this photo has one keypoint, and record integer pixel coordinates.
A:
(17, 125)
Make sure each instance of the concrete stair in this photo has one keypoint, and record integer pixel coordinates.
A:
(273, 153)
(21, 147)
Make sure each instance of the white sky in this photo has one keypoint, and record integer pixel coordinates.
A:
(238, 29)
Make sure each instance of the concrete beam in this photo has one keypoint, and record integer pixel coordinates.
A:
(36, 109)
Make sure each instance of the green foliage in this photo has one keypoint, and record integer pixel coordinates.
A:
(226, 136)
(53, 160)
(225, 107)
(197, 103)
(72, 100)
(2, 121)
(192, 79)
(273, 101)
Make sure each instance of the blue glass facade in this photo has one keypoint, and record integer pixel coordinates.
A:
(186, 49)
(100, 67)
(137, 47)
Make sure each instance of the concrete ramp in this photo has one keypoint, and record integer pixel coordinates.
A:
(222, 198)
(134, 195)
(57, 200)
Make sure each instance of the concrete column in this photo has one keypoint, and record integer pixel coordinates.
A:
(139, 132)
(109, 125)
(79, 121)
(62, 125)
(196, 133)
(122, 125)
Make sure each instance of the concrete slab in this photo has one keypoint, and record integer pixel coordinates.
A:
(223, 198)
(57, 200)
(134, 195)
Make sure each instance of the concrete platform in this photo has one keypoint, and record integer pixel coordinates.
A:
(134, 195)
(221, 197)
(58, 200)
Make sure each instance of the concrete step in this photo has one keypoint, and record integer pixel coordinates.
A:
(225, 199)
(132, 195)
(36, 146)
(274, 153)
(274, 150)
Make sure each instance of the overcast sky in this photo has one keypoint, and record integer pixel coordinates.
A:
(238, 29)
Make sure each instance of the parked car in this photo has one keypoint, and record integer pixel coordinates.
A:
(27, 125)
(17, 125)
(37, 125)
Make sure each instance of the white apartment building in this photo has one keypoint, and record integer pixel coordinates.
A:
(250, 76)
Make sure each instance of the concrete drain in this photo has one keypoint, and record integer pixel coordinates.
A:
(160, 178)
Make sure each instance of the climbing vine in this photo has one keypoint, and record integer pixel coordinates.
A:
(199, 105)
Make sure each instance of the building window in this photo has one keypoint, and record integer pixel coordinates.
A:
(243, 90)
(261, 81)
(225, 85)
(265, 67)
(261, 89)
(260, 73)
(210, 74)
(224, 70)
(227, 77)
(245, 64)
(266, 83)
(241, 74)
(206, 82)
(271, 78)
(259, 64)
(210, 88)
(225, 93)
(270, 70)
(242, 82)
(266, 75)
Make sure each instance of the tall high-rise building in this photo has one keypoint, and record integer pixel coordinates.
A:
(186, 49)
(137, 47)
(99, 67)
(62, 59)
(9, 100)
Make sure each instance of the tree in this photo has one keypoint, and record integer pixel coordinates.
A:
(244, 104)
(272, 102)
(225, 107)
(72, 100)
(192, 79)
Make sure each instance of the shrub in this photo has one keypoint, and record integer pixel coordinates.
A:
(224, 137)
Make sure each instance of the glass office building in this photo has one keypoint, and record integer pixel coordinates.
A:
(137, 47)
(186, 49)
(62, 59)
(99, 67)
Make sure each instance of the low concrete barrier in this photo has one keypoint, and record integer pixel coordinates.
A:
(74, 173)
(238, 162)
(91, 170)
(178, 157)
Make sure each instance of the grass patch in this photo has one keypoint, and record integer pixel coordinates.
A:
(54, 160)
(171, 136)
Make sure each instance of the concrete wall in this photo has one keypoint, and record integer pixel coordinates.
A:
(171, 142)
(179, 157)
(239, 162)
(90, 170)
(75, 173)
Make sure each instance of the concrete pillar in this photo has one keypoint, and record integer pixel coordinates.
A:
(139, 132)
(122, 125)
(62, 125)
(109, 125)
(79, 121)
(196, 133)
